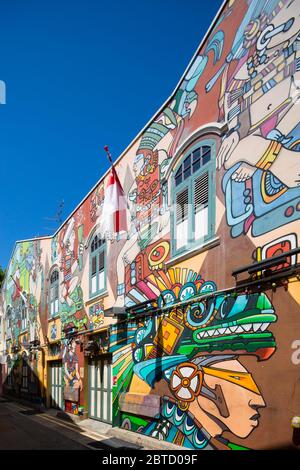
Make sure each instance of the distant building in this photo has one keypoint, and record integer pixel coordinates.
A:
(188, 329)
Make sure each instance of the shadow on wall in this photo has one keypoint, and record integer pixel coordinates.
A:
(33, 394)
(22, 382)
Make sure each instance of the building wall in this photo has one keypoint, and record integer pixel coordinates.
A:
(221, 372)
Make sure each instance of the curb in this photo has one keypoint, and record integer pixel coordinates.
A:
(138, 440)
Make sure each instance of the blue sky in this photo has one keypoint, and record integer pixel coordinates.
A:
(81, 74)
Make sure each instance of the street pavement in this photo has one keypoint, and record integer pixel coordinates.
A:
(20, 431)
(22, 428)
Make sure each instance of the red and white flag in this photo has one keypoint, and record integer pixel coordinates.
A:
(19, 291)
(114, 213)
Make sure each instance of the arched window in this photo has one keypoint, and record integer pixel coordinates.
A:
(97, 266)
(54, 293)
(194, 197)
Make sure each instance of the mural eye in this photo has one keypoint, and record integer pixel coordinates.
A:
(198, 314)
(158, 254)
(226, 306)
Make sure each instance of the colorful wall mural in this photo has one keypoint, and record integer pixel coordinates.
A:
(192, 353)
(200, 369)
(259, 98)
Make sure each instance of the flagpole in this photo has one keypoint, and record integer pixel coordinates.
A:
(108, 155)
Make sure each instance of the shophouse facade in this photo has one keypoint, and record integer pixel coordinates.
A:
(188, 328)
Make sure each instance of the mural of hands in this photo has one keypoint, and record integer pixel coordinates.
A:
(228, 145)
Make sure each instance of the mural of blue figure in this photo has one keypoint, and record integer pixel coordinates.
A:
(260, 87)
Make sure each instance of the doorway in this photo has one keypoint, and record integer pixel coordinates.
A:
(56, 384)
(100, 389)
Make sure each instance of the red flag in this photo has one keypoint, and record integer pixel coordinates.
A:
(19, 292)
(113, 218)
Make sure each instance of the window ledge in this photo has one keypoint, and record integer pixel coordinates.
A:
(96, 297)
(194, 251)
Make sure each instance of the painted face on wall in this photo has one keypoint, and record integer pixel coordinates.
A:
(237, 402)
(148, 191)
(71, 348)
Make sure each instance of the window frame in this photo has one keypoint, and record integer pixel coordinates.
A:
(210, 168)
(53, 286)
(92, 255)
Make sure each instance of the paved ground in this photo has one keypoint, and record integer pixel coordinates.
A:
(20, 432)
(44, 431)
